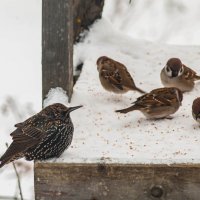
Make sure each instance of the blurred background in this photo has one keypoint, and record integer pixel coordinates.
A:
(173, 22)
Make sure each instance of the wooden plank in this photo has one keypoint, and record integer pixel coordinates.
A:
(116, 181)
(57, 45)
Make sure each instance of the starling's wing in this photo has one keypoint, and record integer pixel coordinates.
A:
(28, 134)
(23, 139)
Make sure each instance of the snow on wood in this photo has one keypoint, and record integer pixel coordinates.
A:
(101, 135)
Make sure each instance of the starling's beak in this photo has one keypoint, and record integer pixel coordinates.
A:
(70, 109)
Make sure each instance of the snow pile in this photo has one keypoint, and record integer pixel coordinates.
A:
(166, 21)
(101, 135)
(56, 95)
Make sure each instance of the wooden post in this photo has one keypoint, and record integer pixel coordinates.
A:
(85, 13)
(57, 45)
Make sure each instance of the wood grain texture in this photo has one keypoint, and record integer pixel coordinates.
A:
(114, 181)
(57, 45)
(85, 13)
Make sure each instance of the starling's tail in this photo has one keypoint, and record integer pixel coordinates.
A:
(139, 90)
(2, 164)
(3, 160)
(7, 159)
(126, 110)
(11, 154)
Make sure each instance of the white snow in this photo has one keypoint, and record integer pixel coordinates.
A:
(56, 95)
(100, 134)
(20, 82)
(167, 21)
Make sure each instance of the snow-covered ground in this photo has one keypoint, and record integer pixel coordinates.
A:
(103, 135)
(120, 34)
(166, 21)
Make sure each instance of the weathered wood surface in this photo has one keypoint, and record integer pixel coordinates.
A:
(62, 181)
(57, 45)
(62, 22)
(85, 13)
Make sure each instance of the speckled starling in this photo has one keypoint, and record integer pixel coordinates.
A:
(44, 135)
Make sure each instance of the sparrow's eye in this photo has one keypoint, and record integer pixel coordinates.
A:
(167, 68)
(180, 71)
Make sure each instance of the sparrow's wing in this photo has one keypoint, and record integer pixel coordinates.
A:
(154, 99)
(113, 77)
(190, 74)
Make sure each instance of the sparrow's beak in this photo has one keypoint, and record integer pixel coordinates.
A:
(174, 73)
(70, 109)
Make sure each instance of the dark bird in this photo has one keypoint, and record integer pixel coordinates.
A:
(176, 74)
(114, 76)
(159, 103)
(196, 109)
(44, 135)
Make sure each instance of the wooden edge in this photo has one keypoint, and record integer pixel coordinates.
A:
(111, 181)
(63, 165)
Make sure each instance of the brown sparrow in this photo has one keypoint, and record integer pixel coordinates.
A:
(176, 74)
(114, 76)
(159, 103)
(196, 109)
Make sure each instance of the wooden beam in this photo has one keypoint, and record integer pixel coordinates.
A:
(57, 45)
(61, 181)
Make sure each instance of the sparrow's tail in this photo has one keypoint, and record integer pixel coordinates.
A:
(197, 77)
(126, 110)
(139, 90)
